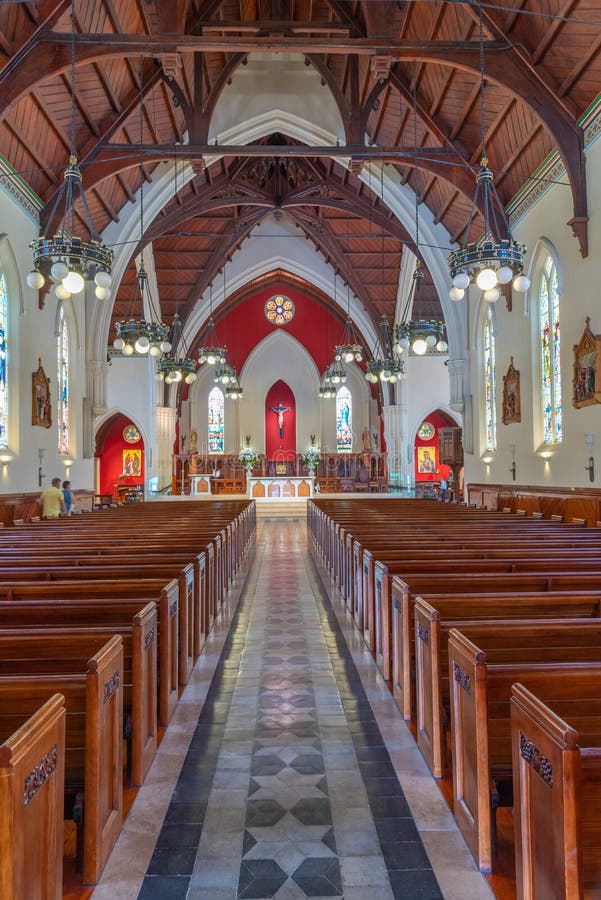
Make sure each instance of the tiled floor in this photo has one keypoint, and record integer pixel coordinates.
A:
(293, 775)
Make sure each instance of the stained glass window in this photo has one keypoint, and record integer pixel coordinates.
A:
(216, 421)
(490, 375)
(3, 363)
(62, 380)
(550, 352)
(344, 421)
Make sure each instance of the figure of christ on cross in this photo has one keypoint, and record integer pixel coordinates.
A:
(279, 410)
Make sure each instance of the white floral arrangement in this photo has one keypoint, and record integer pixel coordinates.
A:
(248, 458)
(311, 457)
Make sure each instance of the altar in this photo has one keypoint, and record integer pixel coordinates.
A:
(200, 484)
(282, 487)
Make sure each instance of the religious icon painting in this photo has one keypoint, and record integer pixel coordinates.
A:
(41, 409)
(132, 463)
(426, 460)
(512, 408)
(586, 380)
(279, 310)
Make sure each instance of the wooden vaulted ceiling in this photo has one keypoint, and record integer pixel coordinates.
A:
(150, 72)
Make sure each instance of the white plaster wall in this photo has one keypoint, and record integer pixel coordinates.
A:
(516, 337)
(32, 336)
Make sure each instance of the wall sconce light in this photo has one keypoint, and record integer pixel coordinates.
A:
(6, 458)
(67, 463)
(546, 454)
(487, 460)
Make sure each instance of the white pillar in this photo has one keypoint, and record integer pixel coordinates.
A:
(165, 417)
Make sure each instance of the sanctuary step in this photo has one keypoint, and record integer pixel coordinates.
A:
(282, 509)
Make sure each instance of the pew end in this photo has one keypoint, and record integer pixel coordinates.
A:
(32, 775)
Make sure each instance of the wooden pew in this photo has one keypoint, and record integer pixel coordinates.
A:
(557, 791)
(32, 781)
(75, 621)
(432, 626)
(93, 592)
(403, 597)
(93, 744)
(484, 662)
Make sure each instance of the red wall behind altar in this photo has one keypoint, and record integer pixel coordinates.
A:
(439, 422)
(111, 460)
(277, 447)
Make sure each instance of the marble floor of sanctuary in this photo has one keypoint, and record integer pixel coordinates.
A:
(287, 771)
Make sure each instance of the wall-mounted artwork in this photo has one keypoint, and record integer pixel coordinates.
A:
(426, 460)
(132, 462)
(586, 381)
(41, 408)
(512, 408)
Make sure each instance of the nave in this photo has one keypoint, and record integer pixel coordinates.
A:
(287, 770)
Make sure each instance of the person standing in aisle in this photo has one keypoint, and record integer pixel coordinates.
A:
(53, 503)
(67, 497)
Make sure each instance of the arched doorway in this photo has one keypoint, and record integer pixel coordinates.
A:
(120, 462)
(280, 426)
(438, 455)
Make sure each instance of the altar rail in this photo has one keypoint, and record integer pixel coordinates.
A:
(581, 506)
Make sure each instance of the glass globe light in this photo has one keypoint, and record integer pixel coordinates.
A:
(176, 375)
(442, 346)
(225, 379)
(142, 345)
(165, 346)
(35, 280)
(504, 275)
(404, 342)
(155, 351)
(486, 279)
(159, 376)
(397, 348)
(456, 294)
(492, 295)
(358, 356)
(393, 379)
(431, 340)
(103, 279)
(190, 378)
(61, 292)
(102, 293)
(461, 281)
(128, 350)
(118, 343)
(222, 359)
(74, 282)
(343, 379)
(211, 359)
(368, 377)
(521, 284)
(337, 357)
(348, 357)
(336, 379)
(384, 375)
(419, 346)
(168, 379)
(59, 270)
(202, 359)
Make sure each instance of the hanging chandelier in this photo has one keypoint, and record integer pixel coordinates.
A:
(142, 336)
(349, 350)
(210, 353)
(70, 261)
(174, 368)
(419, 335)
(496, 258)
(334, 375)
(384, 366)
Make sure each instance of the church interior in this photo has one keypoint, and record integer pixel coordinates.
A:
(300, 537)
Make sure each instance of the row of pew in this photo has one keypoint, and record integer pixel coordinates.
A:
(488, 629)
(102, 618)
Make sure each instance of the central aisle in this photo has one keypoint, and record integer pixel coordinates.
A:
(287, 789)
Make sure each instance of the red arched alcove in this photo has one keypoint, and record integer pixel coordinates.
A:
(279, 447)
(116, 466)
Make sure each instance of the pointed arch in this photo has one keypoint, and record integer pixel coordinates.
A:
(549, 351)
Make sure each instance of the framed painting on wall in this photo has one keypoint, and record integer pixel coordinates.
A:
(512, 407)
(41, 408)
(586, 381)
(426, 460)
(132, 462)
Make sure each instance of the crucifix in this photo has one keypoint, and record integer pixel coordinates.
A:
(279, 410)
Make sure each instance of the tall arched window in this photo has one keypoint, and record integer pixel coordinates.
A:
(216, 421)
(3, 362)
(550, 352)
(490, 376)
(344, 421)
(62, 380)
